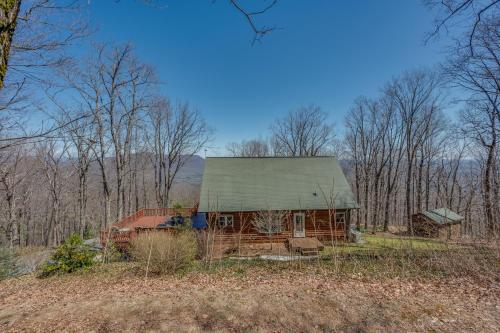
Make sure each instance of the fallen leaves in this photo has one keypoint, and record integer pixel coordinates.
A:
(259, 299)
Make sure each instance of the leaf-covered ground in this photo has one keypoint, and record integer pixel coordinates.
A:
(257, 299)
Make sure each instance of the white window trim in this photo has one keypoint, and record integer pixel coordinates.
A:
(303, 232)
(303, 215)
(340, 215)
(226, 218)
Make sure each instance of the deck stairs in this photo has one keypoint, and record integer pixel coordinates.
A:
(305, 246)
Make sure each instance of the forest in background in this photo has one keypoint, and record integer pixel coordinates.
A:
(111, 143)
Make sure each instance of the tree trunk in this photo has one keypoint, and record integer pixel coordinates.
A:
(8, 19)
(144, 192)
(119, 189)
(366, 188)
(82, 203)
(419, 184)
(358, 198)
(427, 184)
(487, 192)
(375, 204)
(387, 201)
(107, 209)
(408, 198)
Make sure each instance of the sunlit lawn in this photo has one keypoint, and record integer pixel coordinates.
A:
(378, 243)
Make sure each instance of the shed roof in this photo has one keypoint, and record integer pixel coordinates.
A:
(232, 184)
(443, 216)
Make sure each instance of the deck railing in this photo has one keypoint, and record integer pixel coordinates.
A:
(234, 238)
(121, 238)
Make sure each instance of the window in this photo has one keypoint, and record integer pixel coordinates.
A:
(226, 221)
(299, 227)
(299, 219)
(340, 218)
(324, 219)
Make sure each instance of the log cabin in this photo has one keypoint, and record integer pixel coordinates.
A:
(275, 199)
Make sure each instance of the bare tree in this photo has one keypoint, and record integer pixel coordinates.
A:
(403, 141)
(53, 154)
(114, 89)
(8, 21)
(34, 40)
(81, 137)
(44, 30)
(269, 222)
(463, 15)
(417, 101)
(329, 195)
(177, 133)
(12, 176)
(33, 32)
(383, 114)
(394, 157)
(473, 67)
(250, 148)
(482, 125)
(303, 132)
(362, 139)
(250, 15)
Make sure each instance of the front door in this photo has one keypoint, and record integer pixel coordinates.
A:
(299, 225)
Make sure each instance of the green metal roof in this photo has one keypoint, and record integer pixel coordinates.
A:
(443, 216)
(232, 184)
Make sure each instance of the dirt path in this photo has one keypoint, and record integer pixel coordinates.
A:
(255, 300)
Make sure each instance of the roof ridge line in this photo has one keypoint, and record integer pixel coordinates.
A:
(434, 212)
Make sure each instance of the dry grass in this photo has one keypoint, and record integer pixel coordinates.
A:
(161, 252)
(256, 298)
(383, 256)
(381, 286)
(413, 257)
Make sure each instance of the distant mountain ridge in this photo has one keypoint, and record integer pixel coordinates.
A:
(192, 171)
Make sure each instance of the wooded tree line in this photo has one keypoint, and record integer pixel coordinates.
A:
(408, 157)
(401, 154)
(120, 149)
(111, 144)
(115, 144)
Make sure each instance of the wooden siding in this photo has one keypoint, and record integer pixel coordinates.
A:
(317, 224)
(424, 227)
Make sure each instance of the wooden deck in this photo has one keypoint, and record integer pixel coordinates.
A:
(121, 232)
(150, 217)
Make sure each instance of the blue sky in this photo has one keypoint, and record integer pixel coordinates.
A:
(326, 53)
